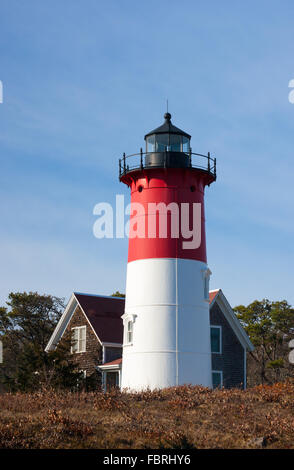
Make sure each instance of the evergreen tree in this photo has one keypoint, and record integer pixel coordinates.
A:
(25, 328)
(270, 326)
(118, 294)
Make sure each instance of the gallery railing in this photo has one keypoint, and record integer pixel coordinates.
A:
(167, 159)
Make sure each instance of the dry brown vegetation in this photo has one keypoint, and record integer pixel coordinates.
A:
(180, 418)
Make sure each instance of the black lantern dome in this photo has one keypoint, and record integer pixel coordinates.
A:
(167, 138)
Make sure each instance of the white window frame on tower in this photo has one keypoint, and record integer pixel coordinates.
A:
(206, 279)
(130, 328)
(128, 321)
(79, 338)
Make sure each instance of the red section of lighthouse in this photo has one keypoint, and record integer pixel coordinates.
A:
(166, 319)
(157, 186)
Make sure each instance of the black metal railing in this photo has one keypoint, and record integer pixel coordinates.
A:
(138, 161)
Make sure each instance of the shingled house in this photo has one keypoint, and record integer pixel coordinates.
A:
(94, 322)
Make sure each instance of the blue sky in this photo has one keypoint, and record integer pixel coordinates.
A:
(85, 80)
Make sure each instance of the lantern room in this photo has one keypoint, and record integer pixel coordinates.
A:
(167, 138)
(167, 146)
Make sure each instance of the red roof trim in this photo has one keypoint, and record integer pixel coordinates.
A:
(212, 295)
(113, 363)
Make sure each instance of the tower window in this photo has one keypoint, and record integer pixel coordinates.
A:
(78, 339)
(130, 332)
(129, 320)
(206, 278)
(206, 288)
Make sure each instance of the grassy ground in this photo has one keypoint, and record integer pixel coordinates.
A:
(181, 417)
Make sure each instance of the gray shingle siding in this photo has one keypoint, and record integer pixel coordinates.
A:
(231, 360)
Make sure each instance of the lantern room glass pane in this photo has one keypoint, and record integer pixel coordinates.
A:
(167, 142)
(150, 142)
(175, 143)
(161, 142)
(186, 144)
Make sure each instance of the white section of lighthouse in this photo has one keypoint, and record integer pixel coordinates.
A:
(166, 320)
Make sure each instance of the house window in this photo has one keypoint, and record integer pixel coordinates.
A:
(78, 339)
(215, 339)
(217, 379)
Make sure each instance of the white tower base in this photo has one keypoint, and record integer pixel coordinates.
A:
(169, 314)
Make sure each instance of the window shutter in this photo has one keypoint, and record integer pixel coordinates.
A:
(75, 338)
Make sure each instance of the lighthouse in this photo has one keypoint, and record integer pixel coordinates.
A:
(166, 320)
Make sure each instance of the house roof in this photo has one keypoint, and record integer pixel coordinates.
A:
(104, 316)
(102, 312)
(219, 297)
